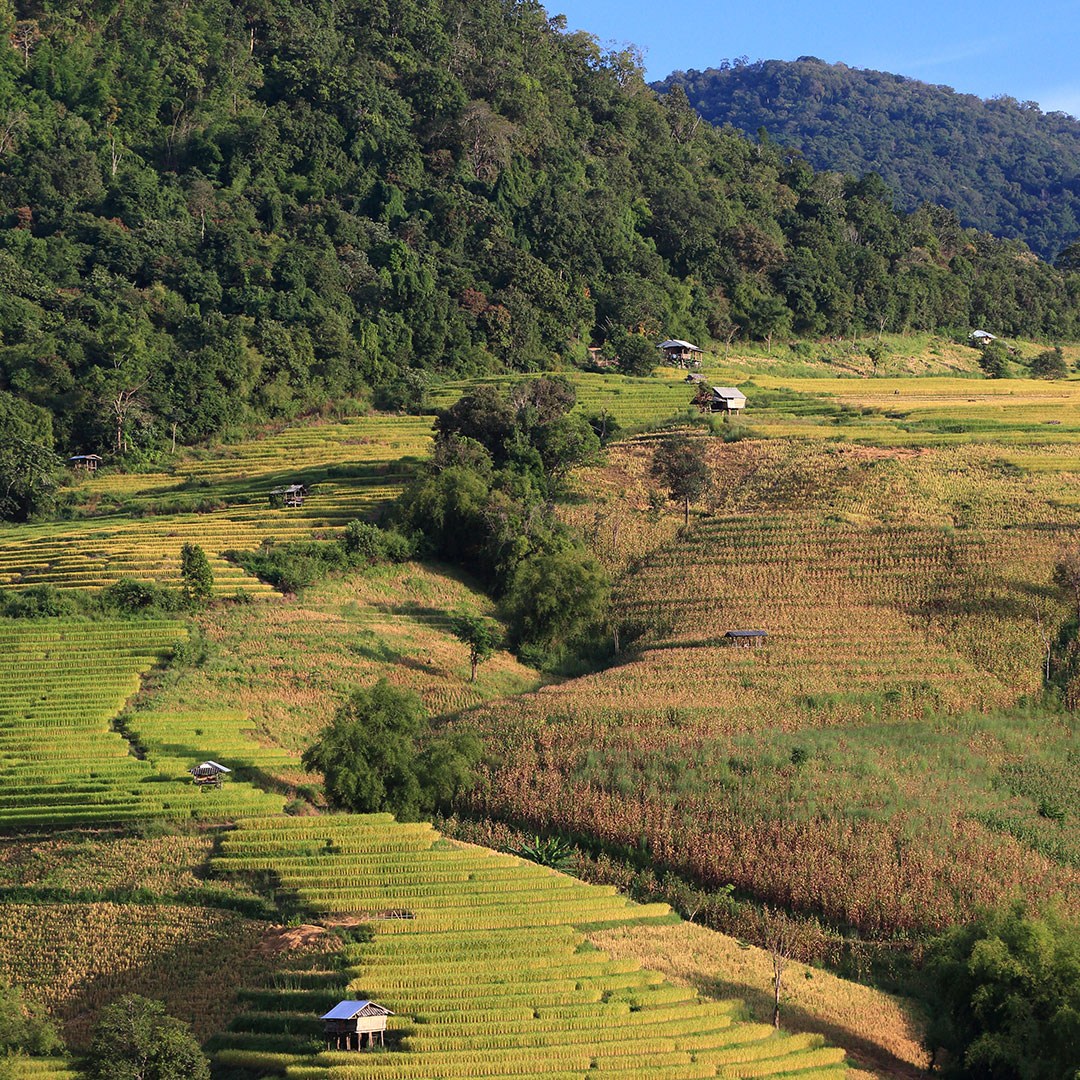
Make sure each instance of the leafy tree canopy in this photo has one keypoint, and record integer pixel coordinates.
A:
(135, 1039)
(1003, 997)
(201, 228)
(24, 1028)
(372, 759)
(679, 463)
(196, 576)
(1002, 165)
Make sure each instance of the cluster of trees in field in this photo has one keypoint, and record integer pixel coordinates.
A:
(486, 502)
(1002, 165)
(218, 213)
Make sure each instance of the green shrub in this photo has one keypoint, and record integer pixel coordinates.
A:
(38, 602)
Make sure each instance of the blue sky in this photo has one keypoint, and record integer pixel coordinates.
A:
(1025, 50)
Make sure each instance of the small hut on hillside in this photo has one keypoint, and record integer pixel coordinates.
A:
(288, 495)
(719, 399)
(680, 353)
(209, 774)
(355, 1025)
(88, 463)
(746, 639)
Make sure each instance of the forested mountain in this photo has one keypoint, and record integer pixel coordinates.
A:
(1003, 165)
(216, 212)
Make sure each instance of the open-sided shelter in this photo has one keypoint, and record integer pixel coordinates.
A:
(355, 1025)
(719, 399)
(209, 774)
(85, 462)
(288, 495)
(677, 351)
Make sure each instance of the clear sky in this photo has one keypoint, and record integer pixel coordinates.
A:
(1027, 50)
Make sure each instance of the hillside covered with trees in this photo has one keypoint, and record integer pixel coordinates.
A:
(214, 214)
(1002, 165)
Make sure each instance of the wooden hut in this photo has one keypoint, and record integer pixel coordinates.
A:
(288, 495)
(719, 399)
(85, 462)
(746, 639)
(355, 1025)
(680, 353)
(209, 774)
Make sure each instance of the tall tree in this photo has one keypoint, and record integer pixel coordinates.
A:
(680, 464)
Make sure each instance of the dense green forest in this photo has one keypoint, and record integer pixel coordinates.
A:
(214, 213)
(1003, 165)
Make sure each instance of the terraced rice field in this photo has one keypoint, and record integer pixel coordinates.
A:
(481, 959)
(629, 400)
(23, 1068)
(220, 502)
(61, 762)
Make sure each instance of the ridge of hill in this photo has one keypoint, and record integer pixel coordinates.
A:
(1002, 165)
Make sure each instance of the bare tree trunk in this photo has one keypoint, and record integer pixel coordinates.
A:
(778, 963)
(686, 513)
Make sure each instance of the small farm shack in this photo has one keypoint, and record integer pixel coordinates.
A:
(85, 462)
(981, 337)
(355, 1025)
(746, 639)
(288, 495)
(681, 353)
(209, 774)
(719, 399)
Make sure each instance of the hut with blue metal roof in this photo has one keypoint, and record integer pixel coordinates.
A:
(355, 1025)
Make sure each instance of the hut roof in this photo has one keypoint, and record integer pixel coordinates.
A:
(349, 1010)
(288, 489)
(85, 457)
(747, 633)
(213, 765)
(981, 335)
(677, 343)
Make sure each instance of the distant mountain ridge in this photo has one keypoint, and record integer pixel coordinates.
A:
(1003, 165)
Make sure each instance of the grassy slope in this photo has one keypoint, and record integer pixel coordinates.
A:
(274, 668)
(900, 591)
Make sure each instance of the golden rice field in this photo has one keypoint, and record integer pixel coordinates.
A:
(879, 1031)
(219, 500)
(482, 961)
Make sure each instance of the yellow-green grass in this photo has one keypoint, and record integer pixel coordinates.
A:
(62, 683)
(378, 449)
(482, 960)
(27, 1068)
(286, 665)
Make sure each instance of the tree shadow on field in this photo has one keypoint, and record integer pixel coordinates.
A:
(759, 1007)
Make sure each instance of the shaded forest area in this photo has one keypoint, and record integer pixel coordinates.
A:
(1003, 165)
(213, 214)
